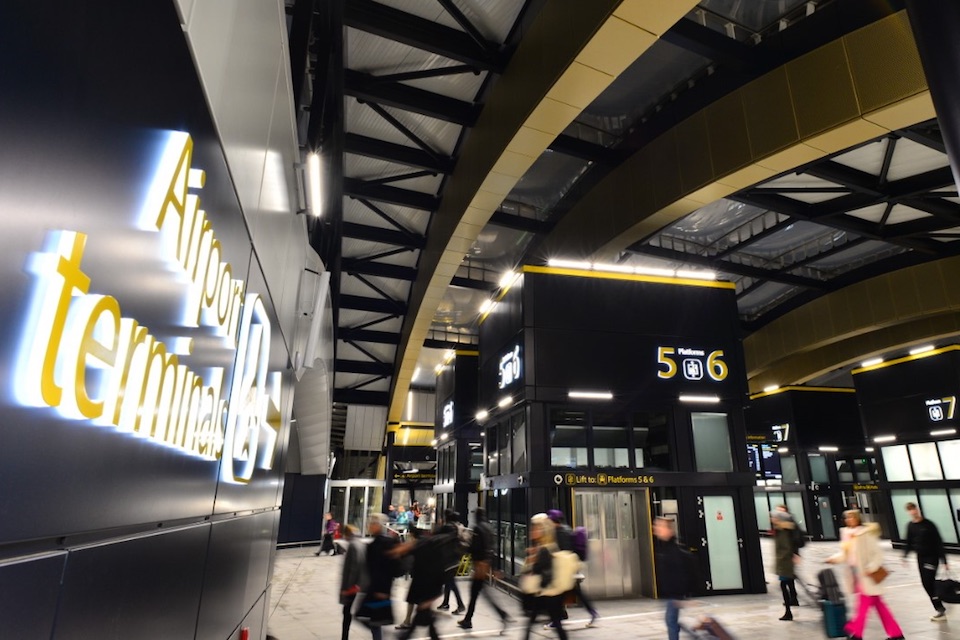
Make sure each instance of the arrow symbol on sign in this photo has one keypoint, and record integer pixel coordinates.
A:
(703, 542)
(701, 514)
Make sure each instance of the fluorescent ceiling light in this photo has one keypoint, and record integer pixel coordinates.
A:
(698, 275)
(688, 398)
(827, 449)
(869, 449)
(618, 268)
(591, 395)
(943, 432)
(569, 264)
(783, 450)
(653, 271)
(482, 415)
(871, 362)
(923, 349)
(771, 388)
(505, 401)
(314, 190)
(885, 439)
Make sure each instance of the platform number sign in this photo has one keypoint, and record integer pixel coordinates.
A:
(694, 364)
(939, 409)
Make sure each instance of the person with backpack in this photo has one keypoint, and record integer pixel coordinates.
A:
(481, 554)
(539, 577)
(451, 525)
(786, 556)
(675, 576)
(570, 540)
(924, 538)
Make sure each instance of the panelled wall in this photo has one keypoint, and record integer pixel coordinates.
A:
(149, 315)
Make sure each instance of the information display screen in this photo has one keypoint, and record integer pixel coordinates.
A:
(770, 461)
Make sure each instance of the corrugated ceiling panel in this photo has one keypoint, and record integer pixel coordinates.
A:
(373, 54)
(352, 248)
(868, 158)
(398, 289)
(365, 426)
(412, 219)
(351, 318)
(462, 86)
(910, 159)
(346, 351)
(439, 135)
(492, 18)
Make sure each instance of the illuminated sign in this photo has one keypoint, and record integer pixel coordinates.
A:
(693, 364)
(89, 362)
(603, 479)
(781, 432)
(940, 409)
(510, 368)
(447, 415)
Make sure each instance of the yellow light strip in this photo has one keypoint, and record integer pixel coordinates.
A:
(632, 277)
(460, 352)
(803, 388)
(918, 356)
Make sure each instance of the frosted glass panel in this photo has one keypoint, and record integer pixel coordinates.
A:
(722, 546)
(935, 507)
(711, 442)
(795, 507)
(896, 463)
(788, 466)
(926, 464)
(900, 498)
(763, 511)
(950, 455)
(818, 469)
(954, 502)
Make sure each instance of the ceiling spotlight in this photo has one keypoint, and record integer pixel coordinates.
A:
(487, 304)
(433, 443)
(507, 279)
(871, 362)
(444, 436)
(505, 401)
(923, 349)
(771, 388)
(482, 415)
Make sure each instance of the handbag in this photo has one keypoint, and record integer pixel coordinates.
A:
(879, 575)
(530, 583)
(375, 612)
(481, 570)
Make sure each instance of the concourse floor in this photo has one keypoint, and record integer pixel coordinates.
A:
(304, 606)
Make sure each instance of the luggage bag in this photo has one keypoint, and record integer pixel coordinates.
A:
(949, 590)
(829, 588)
(834, 618)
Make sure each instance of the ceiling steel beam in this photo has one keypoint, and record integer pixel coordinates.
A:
(433, 343)
(364, 87)
(577, 148)
(374, 305)
(300, 27)
(363, 367)
(366, 267)
(519, 223)
(729, 267)
(360, 396)
(356, 188)
(383, 236)
(420, 33)
(397, 153)
(710, 44)
(470, 283)
(366, 335)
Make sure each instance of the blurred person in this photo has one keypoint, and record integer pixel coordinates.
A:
(539, 564)
(407, 562)
(924, 538)
(330, 527)
(352, 576)
(481, 554)
(403, 517)
(415, 512)
(451, 525)
(380, 567)
(391, 514)
(675, 574)
(860, 552)
(428, 576)
(565, 542)
(786, 556)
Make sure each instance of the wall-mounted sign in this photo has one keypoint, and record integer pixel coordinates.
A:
(939, 409)
(89, 362)
(510, 368)
(447, 415)
(866, 487)
(602, 479)
(692, 364)
(416, 476)
(781, 432)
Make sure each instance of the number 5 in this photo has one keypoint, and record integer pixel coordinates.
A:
(662, 353)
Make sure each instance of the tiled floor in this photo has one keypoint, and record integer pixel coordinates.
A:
(304, 607)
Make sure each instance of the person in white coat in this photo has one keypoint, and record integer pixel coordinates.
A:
(860, 552)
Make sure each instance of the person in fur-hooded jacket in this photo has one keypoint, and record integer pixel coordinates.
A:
(860, 551)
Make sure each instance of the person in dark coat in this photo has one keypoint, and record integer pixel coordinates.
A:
(380, 568)
(451, 524)
(427, 578)
(352, 576)
(786, 556)
(924, 538)
(674, 575)
(481, 554)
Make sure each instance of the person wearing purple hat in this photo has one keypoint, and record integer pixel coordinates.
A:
(564, 536)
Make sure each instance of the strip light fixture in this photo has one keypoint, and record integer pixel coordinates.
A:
(505, 401)
(624, 268)
(828, 449)
(690, 398)
(590, 395)
(943, 432)
(882, 439)
(918, 350)
(314, 189)
(871, 362)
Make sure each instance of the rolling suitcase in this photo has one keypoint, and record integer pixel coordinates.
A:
(834, 618)
(949, 590)
(829, 588)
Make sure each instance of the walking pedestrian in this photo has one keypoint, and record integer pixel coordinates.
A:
(352, 576)
(860, 551)
(330, 527)
(565, 542)
(539, 564)
(451, 524)
(924, 538)
(427, 578)
(786, 556)
(674, 573)
(481, 555)
(380, 567)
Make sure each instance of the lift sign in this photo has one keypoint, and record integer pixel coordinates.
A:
(693, 364)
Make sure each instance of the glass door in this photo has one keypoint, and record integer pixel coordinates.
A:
(723, 543)
(826, 517)
(618, 535)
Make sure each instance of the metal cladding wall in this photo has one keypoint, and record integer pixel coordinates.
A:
(146, 322)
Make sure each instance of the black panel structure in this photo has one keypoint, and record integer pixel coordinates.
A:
(301, 519)
(608, 387)
(459, 450)
(145, 389)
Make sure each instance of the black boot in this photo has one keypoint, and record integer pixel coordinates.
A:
(787, 615)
